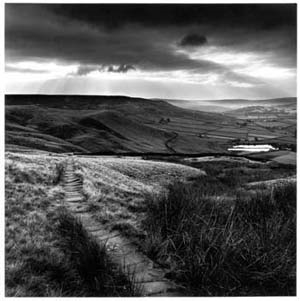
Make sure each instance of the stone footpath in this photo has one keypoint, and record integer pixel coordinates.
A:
(136, 265)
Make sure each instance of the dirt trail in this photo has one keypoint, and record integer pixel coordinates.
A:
(150, 279)
(170, 148)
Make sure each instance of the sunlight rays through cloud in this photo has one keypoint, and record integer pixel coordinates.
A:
(50, 43)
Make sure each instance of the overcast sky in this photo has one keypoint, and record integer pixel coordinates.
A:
(162, 51)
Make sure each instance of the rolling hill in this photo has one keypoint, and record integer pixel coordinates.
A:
(255, 102)
(225, 105)
(119, 124)
(60, 123)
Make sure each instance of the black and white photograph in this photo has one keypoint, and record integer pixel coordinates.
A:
(150, 149)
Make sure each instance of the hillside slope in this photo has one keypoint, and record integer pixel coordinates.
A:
(61, 123)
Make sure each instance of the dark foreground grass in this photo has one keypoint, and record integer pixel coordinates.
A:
(245, 247)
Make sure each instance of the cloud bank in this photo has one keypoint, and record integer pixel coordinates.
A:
(193, 40)
(205, 43)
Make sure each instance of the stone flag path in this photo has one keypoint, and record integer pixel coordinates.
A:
(136, 265)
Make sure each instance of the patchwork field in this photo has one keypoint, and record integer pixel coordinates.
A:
(227, 131)
(278, 119)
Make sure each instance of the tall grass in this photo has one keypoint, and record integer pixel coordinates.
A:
(47, 252)
(99, 275)
(233, 174)
(59, 172)
(246, 247)
(69, 263)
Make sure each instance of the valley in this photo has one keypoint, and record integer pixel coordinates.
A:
(117, 124)
(112, 180)
(150, 149)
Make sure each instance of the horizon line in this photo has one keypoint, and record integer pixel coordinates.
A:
(150, 98)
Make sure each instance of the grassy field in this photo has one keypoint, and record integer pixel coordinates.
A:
(218, 236)
(282, 157)
(47, 252)
(215, 232)
(274, 123)
(223, 133)
(215, 235)
(116, 187)
(214, 245)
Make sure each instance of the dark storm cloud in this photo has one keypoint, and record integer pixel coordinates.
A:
(113, 16)
(46, 36)
(146, 36)
(123, 68)
(193, 40)
(86, 69)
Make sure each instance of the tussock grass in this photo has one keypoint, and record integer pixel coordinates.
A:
(233, 174)
(115, 188)
(59, 172)
(34, 265)
(246, 247)
(47, 252)
(242, 245)
(36, 169)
